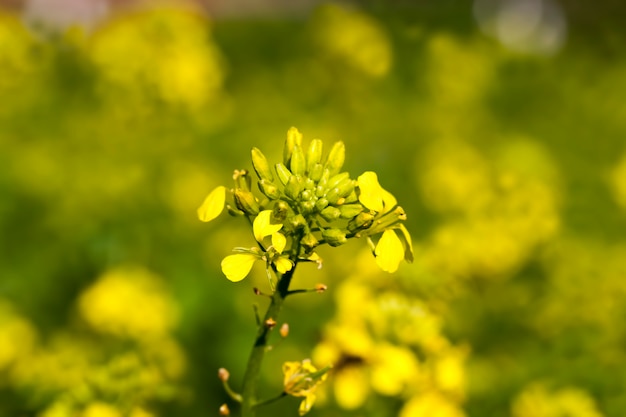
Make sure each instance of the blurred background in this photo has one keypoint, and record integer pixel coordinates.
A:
(498, 124)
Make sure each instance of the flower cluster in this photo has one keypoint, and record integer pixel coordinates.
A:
(307, 201)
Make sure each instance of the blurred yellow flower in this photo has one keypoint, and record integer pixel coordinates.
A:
(430, 404)
(17, 336)
(130, 302)
(537, 401)
(100, 409)
(355, 38)
(351, 387)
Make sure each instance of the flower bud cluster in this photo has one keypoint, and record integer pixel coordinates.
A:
(309, 194)
(312, 202)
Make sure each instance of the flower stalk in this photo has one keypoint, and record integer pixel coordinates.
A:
(305, 202)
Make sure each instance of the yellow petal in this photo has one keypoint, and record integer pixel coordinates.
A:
(283, 265)
(237, 266)
(279, 241)
(306, 404)
(389, 251)
(389, 201)
(371, 193)
(213, 204)
(262, 227)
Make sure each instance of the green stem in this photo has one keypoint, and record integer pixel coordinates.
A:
(255, 360)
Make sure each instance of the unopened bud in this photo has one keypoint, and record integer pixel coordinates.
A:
(362, 221)
(330, 213)
(294, 137)
(262, 168)
(269, 190)
(223, 374)
(314, 154)
(293, 187)
(242, 179)
(309, 241)
(224, 411)
(321, 204)
(336, 158)
(297, 164)
(315, 172)
(284, 330)
(280, 211)
(307, 207)
(334, 237)
(297, 222)
(320, 288)
(283, 173)
(349, 211)
(246, 202)
(336, 179)
(270, 323)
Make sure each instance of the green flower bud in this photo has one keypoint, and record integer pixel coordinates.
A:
(330, 213)
(320, 191)
(262, 168)
(362, 221)
(321, 204)
(297, 222)
(336, 179)
(280, 211)
(309, 184)
(307, 207)
(349, 211)
(324, 178)
(315, 173)
(297, 164)
(314, 154)
(352, 197)
(345, 187)
(334, 237)
(333, 196)
(283, 173)
(246, 202)
(336, 158)
(309, 241)
(269, 190)
(294, 137)
(293, 187)
(306, 195)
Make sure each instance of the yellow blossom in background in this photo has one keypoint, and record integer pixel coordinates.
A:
(17, 336)
(538, 401)
(166, 54)
(130, 302)
(617, 182)
(100, 409)
(355, 38)
(351, 387)
(430, 404)
(16, 64)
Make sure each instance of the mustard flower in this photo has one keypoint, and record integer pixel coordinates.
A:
(394, 244)
(301, 380)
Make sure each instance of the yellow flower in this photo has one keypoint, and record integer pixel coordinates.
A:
(213, 204)
(236, 267)
(301, 380)
(372, 195)
(262, 226)
(392, 246)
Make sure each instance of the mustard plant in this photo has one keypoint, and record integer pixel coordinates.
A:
(302, 203)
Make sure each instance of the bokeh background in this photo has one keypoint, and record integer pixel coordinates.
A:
(498, 124)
